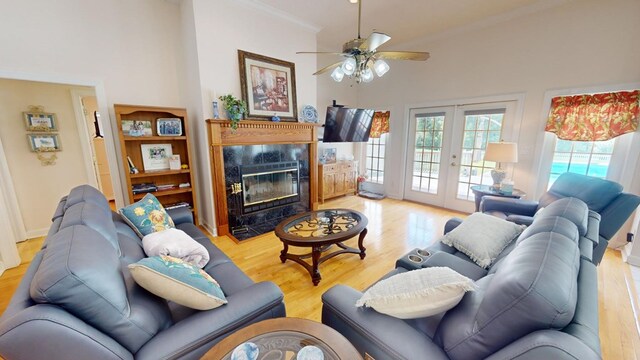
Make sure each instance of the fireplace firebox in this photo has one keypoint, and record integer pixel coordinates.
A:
(269, 185)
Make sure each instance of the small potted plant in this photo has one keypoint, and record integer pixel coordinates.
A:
(235, 109)
(361, 179)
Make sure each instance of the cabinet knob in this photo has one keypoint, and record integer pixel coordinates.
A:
(453, 163)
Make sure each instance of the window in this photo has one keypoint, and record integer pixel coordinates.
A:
(374, 162)
(480, 127)
(581, 157)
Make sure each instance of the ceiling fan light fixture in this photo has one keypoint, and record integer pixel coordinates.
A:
(349, 66)
(337, 74)
(381, 67)
(367, 75)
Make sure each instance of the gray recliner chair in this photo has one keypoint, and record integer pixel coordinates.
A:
(602, 196)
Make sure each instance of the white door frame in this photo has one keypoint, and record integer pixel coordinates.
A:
(83, 132)
(114, 164)
(10, 220)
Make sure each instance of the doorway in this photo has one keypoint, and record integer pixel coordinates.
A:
(445, 151)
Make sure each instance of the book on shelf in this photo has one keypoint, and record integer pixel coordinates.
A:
(143, 188)
(177, 205)
(166, 187)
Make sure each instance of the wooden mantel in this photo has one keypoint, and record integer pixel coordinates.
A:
(252, 132)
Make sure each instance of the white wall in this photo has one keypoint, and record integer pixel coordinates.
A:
(579, 44)
(221, 28)
(38, 188)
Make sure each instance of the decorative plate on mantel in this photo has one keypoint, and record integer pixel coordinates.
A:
(309, 114)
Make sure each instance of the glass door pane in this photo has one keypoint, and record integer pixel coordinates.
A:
(480, 128)
(427, 152)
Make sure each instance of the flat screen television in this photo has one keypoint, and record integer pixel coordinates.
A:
(347, 125)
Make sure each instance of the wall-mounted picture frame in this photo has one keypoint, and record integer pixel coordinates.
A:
(44, 142)
(169, 127)
(268, 87)
(136, 127)
(155, 157)
(40, 121)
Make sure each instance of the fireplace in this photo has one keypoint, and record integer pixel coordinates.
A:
(269, 185)
(263, 172)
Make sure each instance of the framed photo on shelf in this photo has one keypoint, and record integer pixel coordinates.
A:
(136, 127)
(328, 156)
(40, 121)
(44, 142)
(268, 86)
(169, 127)
(156, 157)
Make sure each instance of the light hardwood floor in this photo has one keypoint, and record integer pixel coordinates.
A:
(395, 227)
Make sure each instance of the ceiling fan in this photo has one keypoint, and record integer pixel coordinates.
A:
(362, 58)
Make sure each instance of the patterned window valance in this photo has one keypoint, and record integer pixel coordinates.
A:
(593, 117)
(380, 124)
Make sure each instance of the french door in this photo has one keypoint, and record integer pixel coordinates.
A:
(445, 151)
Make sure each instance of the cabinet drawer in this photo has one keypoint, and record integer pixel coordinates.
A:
(346, 166)
(330, 167)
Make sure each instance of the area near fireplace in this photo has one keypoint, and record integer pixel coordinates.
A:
(262, 173)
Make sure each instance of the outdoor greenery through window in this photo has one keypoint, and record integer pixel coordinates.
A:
(428, 147)
(374, 163)
(590, 158)
(480, 128)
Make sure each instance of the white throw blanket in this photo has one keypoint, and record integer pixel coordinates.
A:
(176, 243)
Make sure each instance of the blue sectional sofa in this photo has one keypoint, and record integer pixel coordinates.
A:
(101, 313)
(538, 300)
(602, 196)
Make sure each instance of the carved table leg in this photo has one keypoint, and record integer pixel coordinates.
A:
(283, 253)
(315, 256)
(360, 243)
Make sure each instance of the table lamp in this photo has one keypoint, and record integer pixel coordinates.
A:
(500, 152)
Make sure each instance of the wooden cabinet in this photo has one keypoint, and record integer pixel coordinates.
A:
(131, 148)
(336, 179)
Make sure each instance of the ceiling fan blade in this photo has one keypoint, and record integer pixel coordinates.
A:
(402, 55)
(374, 40)
(327, 68)
(319, 52)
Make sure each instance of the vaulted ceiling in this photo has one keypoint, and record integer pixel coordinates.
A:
(403, 20)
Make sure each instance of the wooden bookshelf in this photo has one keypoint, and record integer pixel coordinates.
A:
(131, 148)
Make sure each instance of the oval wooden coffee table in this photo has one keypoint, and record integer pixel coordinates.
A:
(283, 338)
(319, 230)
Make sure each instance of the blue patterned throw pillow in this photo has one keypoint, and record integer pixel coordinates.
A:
(147, 216)
(178, 281)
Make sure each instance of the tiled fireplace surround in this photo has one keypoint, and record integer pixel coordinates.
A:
(257, 143)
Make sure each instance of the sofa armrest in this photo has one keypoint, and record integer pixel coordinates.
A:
(381, 336)
(617, 213)
(461, 266)
(451, 224)
(546, 344)
(200, 331)
(181, 215)
(47, 332)
(508, 205)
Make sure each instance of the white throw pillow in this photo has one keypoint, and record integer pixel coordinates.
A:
(482, 237)
(176, 243)
(417, 293)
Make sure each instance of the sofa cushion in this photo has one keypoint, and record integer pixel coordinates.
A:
(86, 193)
(81, 272)
(179, 281)
(596, 193)
(418, 293)
(572, 209)
(539, 274)
(91, 215)
(482, 237)
(146, 216)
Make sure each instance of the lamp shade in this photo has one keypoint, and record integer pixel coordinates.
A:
(501, 152)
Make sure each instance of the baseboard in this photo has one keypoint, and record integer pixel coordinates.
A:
(2, 268)
(212, 230)
(35, 233)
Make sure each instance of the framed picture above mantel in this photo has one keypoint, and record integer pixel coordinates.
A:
(268, 87)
